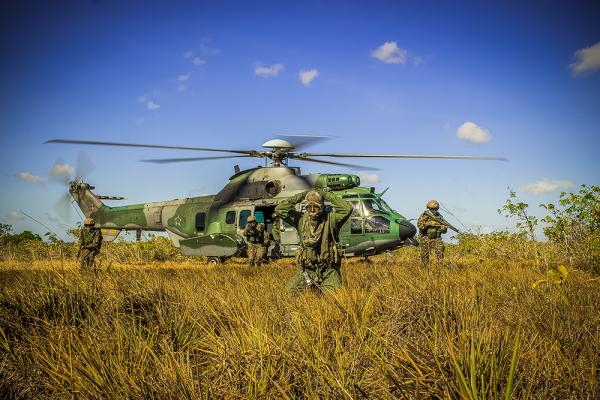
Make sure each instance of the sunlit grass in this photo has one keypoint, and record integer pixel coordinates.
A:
(471, 327)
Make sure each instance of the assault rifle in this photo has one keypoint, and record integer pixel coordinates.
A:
(440, 220)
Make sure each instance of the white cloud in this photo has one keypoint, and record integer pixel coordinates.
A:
(59, 169)
(369, 177)
(28, 177)
(182, 88)
(306, 77)
(473, 133)
(188, 54)
(587, 60)
(390, 53)
(152, 105)
(545, 186)
(267, 72)
(142, 99)
(183, 77)
(14, 216)
(198, 61)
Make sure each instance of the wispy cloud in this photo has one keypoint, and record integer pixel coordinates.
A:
(188, 54)
(390, 53)
(545, 185)
(182, 87)
(306, 77)
(28, 177)
(61, 170)
(142, 98)
(473, 133)
(183, 77)
(417, 60)
(267, 72)
(152, 105)
(14, 216)
(586, 60)
(198, 61)
(369, 177)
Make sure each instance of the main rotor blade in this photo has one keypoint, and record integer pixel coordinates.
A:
(186, 159)
(152, 146)
(301, 141)
(359, 167)
(400, 156)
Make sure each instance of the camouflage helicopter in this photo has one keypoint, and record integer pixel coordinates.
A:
(212, 225)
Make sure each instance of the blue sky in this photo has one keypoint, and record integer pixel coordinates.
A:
(388, 77)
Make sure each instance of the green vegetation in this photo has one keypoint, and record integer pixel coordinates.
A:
(502, 317)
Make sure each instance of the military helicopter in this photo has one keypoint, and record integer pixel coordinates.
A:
(212, 225)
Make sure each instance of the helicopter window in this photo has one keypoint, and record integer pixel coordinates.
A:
(356, 209)
(200, 221)
(260, 217)
(377, 224)
(373, 207)
(356, 226)
(385, 205)
(230, 217)
(244, 214)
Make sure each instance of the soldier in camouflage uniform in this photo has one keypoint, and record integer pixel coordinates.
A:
(90, 242)
(276, 233)
(431, 232)
(257, 239)
(319, 258)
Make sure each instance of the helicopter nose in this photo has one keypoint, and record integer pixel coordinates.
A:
(406, 230)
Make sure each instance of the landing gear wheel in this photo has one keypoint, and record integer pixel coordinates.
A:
(216, 260)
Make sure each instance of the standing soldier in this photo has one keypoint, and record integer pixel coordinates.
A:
(256, 238)
(90, 242)
(431, 230)
(319, 259)
(276, 233)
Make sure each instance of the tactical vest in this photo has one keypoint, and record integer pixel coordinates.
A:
(255, 235)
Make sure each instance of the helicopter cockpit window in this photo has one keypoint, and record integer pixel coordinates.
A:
(377, 224)
(356, 209)
(373, 207)
(200, 222)
(356, 226)
(385, 205)
(230, 217)
(244, 214)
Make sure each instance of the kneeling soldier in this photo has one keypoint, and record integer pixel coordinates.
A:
(319, 258)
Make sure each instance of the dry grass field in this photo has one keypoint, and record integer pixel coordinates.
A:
(472, 327)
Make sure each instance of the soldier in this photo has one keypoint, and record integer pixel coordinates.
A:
(276, 233)
(90, 242)
(431, 231)
(319, 258)
(257, 240)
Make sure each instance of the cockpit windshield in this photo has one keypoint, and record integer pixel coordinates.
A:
(385, 205)
(372, 206)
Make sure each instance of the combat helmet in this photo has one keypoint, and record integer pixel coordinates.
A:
(89, 222)
(433, 205)
(313, 197)
(251, 218)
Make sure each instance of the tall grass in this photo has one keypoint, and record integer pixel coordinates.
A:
(471, 327)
